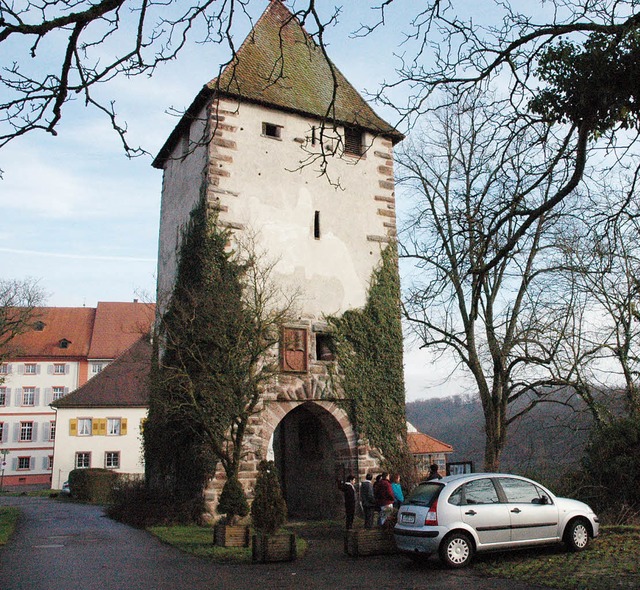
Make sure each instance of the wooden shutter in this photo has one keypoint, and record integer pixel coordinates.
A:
(123, 426)
(73, 427)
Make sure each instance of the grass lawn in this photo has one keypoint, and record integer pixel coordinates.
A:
(611, 561)
(8, 519)
(198, 540)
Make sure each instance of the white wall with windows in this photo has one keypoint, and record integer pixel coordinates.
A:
(109, 438)
(27, 422)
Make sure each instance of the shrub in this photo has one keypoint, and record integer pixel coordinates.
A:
(233, 502)
(136, 504)
(612, 465)
(93, 485)
(269, 510)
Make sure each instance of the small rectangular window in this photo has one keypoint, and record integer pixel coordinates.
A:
(52, 430)
(24, 463)
(271, 130)
(26, 431)
(83, 460)
(84, 426)
(353, 143)
(112, 460)
(96, 368)
(4, 369)
(3, 396)
(58, 392)
(59, 369)
(113, 427)
(324, 347)
(30, 369)
(28, 396)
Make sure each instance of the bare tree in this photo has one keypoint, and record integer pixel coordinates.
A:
(503, 324)
(602, 260)
(19, 301)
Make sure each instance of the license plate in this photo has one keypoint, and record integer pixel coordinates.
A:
(407, 518)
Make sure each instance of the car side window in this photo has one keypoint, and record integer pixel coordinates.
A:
(521, 492)
(457, 498)
(480, 491)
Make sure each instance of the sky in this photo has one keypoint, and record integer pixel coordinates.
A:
(82, 218)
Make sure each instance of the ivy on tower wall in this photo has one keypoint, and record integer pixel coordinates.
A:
(369, 351)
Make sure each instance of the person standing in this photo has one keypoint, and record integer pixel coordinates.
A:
(385, 498)
(368, 501)
(350, 496)
(398, 495)
(433, 473)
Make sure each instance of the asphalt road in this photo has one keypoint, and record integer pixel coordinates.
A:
(74, 546)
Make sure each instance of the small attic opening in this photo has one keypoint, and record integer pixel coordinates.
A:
(271, 130)
(64, 343)
(39, 326)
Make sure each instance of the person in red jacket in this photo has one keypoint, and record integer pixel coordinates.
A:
(384, 497)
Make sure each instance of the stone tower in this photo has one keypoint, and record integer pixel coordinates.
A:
(251, 142)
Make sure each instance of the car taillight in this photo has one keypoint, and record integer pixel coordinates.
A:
(432, 515)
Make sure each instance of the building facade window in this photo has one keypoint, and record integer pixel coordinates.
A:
(58, 392)
(1, 431)
(96, 367)
(4, 369)
(30, 369)
(59, 369)
(113, 427)
(24, 463)
(28, 396)
(3, 396)
(83, 460)
(52, 430)
(26, 431)
(84, 426)
(112, 460)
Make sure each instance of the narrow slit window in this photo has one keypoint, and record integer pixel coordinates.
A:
(271, 130)
(316, 225)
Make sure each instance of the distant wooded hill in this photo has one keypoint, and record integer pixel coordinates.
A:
(549, 438)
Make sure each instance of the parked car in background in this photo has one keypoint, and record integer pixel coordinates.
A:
(460, 515)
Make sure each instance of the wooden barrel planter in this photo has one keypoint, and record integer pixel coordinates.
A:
(359, 542)
(269, 548)
(225, 535)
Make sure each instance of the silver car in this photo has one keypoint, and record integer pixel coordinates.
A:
(461, 514)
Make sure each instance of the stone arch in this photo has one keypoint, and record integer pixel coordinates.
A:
(313, 444)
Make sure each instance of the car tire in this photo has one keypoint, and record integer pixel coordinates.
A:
(456, 550)
(576, 535)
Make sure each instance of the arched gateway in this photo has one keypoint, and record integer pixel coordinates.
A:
(312, 450)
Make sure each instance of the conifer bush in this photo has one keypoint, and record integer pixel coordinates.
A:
(233, 503)
(269, 510)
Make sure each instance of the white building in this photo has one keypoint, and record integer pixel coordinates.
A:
(66, 346)
(100, 424)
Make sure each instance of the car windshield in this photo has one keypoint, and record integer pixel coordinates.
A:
(423, 494)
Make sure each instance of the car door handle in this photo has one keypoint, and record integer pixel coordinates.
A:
(471, 513)
(517, 510)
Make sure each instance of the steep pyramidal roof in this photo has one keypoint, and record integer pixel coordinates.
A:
(280, 66)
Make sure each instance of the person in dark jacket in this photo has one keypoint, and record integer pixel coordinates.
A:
(350, 496)
(368, 501)
(433, 473)
(385, 498)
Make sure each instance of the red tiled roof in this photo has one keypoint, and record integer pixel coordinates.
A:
(73, 324)
(117, 326)
(423, 444)
(123, 383)
(279, 65)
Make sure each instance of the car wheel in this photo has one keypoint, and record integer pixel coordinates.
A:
(456, 550)
(577, 535)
